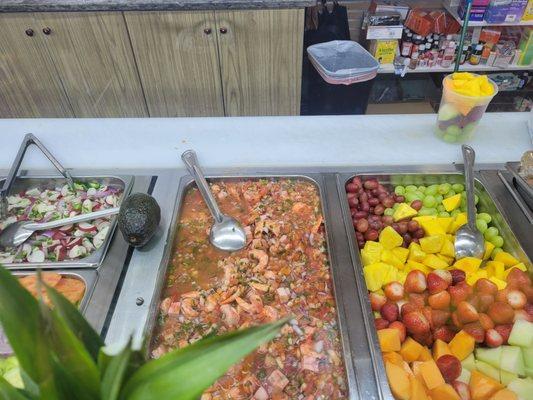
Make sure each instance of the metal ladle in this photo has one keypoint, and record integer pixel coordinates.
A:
(226, 232)
(469, 241)
(18, 232)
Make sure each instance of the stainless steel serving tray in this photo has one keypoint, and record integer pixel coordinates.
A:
(519, 189)
(93, 260)
(88, 277)
(485, 204)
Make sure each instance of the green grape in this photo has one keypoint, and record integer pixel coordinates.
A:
(441, 208)
(491, 232)
(476, 199)
(419, 194)
(410, 197)
(422, 189)
(463, 195)
(497, 241)
(481, 225)
(449, 194)
(424, 211)
(429, 201)
(432, 190)
(439, 198)
(458, 187)
(399, 190)
(485, 217)
(443, 214)
(389, 211)
(455, 212)
(495, 251)
(444, 188)
(395, 206)
(410, 188)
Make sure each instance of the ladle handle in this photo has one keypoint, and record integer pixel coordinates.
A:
(469, 157)
(191, 161)
(42, 226)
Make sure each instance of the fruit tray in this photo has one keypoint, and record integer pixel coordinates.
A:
(360, 232)
(122, 184)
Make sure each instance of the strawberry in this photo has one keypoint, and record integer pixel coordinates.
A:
(394, 291)
(456, 321)
(485, 321)
(466, 312)
(523, 315)
(400, 327)
(436, 283)
(415, 282)
(529, 309)
(501, 313)
(483, 285)
(409, 307)
(439, 318)
(416, 323)
(459, 292)
(505, 331)
(475, 330)
(457, 276)
(484, 300)
(528, 291)
(444, 333)
(419, 299)
(502, 295)
(516, 299)
(425, 339)
(450, 367)
(444, 274)
(381, 323)
(376, 301)
(518, 278)
(389, 311)
(493, 338)
(440, 301)
(462, 390)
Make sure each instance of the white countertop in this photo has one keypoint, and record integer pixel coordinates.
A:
(327, 141)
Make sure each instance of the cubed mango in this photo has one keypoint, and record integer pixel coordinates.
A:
(389, 339)
(452, 202)
(462, 345)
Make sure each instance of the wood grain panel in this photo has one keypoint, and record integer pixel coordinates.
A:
(29, 85)
(93, 55)
(178, 62)
(261, 61)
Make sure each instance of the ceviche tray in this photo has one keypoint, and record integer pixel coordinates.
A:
(79, 246)
(149, 294)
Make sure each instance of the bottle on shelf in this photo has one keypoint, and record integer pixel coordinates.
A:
(407, 45)
(464, 54)
(475, 57)
(414, 60)
(449, 55)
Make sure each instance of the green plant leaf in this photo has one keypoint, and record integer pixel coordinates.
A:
(76, 322)
(184, 374)
(76, 362)
(8, 392)
(26, 331)
(115, 372)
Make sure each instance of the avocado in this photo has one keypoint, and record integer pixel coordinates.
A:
(138, 218)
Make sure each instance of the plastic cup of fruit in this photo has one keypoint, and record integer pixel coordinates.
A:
(459, 115)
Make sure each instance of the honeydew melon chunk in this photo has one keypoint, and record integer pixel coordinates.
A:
(521, 334)
(488, 370)
(465, 376)
(490, 356)
(522, 387)
(512, 360)
(469, 362)
(528, 357)
(507, 377)
(529, 372)
(448, 112)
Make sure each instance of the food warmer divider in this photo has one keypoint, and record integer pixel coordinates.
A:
(137, 303)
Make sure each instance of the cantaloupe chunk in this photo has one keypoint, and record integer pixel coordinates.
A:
(398, 381)
(482, 387)
(440, 348)
(462, 345)
(506, 258)
(411, 350)
(415, 367)
(504, 394)
(444, 392)
(425, 354)
(389, 340)
(406, 368)
(418, 390)
(393, 357)
(431, 374)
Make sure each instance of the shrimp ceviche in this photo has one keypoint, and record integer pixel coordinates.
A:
(282, 271)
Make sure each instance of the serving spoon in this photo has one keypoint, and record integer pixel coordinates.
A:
(469, 240)
(18, 232)
(226, 232)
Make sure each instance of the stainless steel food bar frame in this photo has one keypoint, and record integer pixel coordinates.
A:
(139, 298)
(95, 259)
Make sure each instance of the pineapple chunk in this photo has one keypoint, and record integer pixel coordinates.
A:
(435, 262)
(403, 211)
(388, 257)
(459, 221)
(432, 227)
(376, 275)
(389, 238)
(415, 252)
(507, 259)
(448, 249)
(371, 253)
(468, 264)
(451, 203)
(412, 264)
(401, 253)
(495, 268)
(445, 223)
(488, 250)
(432, 244)
(498, 282)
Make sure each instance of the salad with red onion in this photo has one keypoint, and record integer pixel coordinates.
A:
(69, 242)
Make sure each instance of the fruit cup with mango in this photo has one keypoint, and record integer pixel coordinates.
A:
(448, 329)
(465, 97)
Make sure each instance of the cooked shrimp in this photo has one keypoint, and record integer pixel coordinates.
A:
(187, 306)
(261, 256)
(230, 315)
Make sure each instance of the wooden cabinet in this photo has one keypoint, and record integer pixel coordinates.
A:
(219, 62)
(178, 63)
(94, 60)
(261, 61)
(29, 84)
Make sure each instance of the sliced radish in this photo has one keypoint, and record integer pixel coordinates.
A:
(52, 246)
(111, 200)
(33, 192)
(77, 233)
(36, 256)
(91, 192)
(66, 228)
(77, 251)
(86, 227)
(65, 190)
(99, 238)
(87, 206)
(74, 242)
(88, 245)
(60, 252)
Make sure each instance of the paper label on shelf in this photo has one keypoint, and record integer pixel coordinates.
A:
(384, 32)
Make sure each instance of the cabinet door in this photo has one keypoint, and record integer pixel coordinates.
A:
(29, 85)
(261, 61)
(176, 53)
(93, 56)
